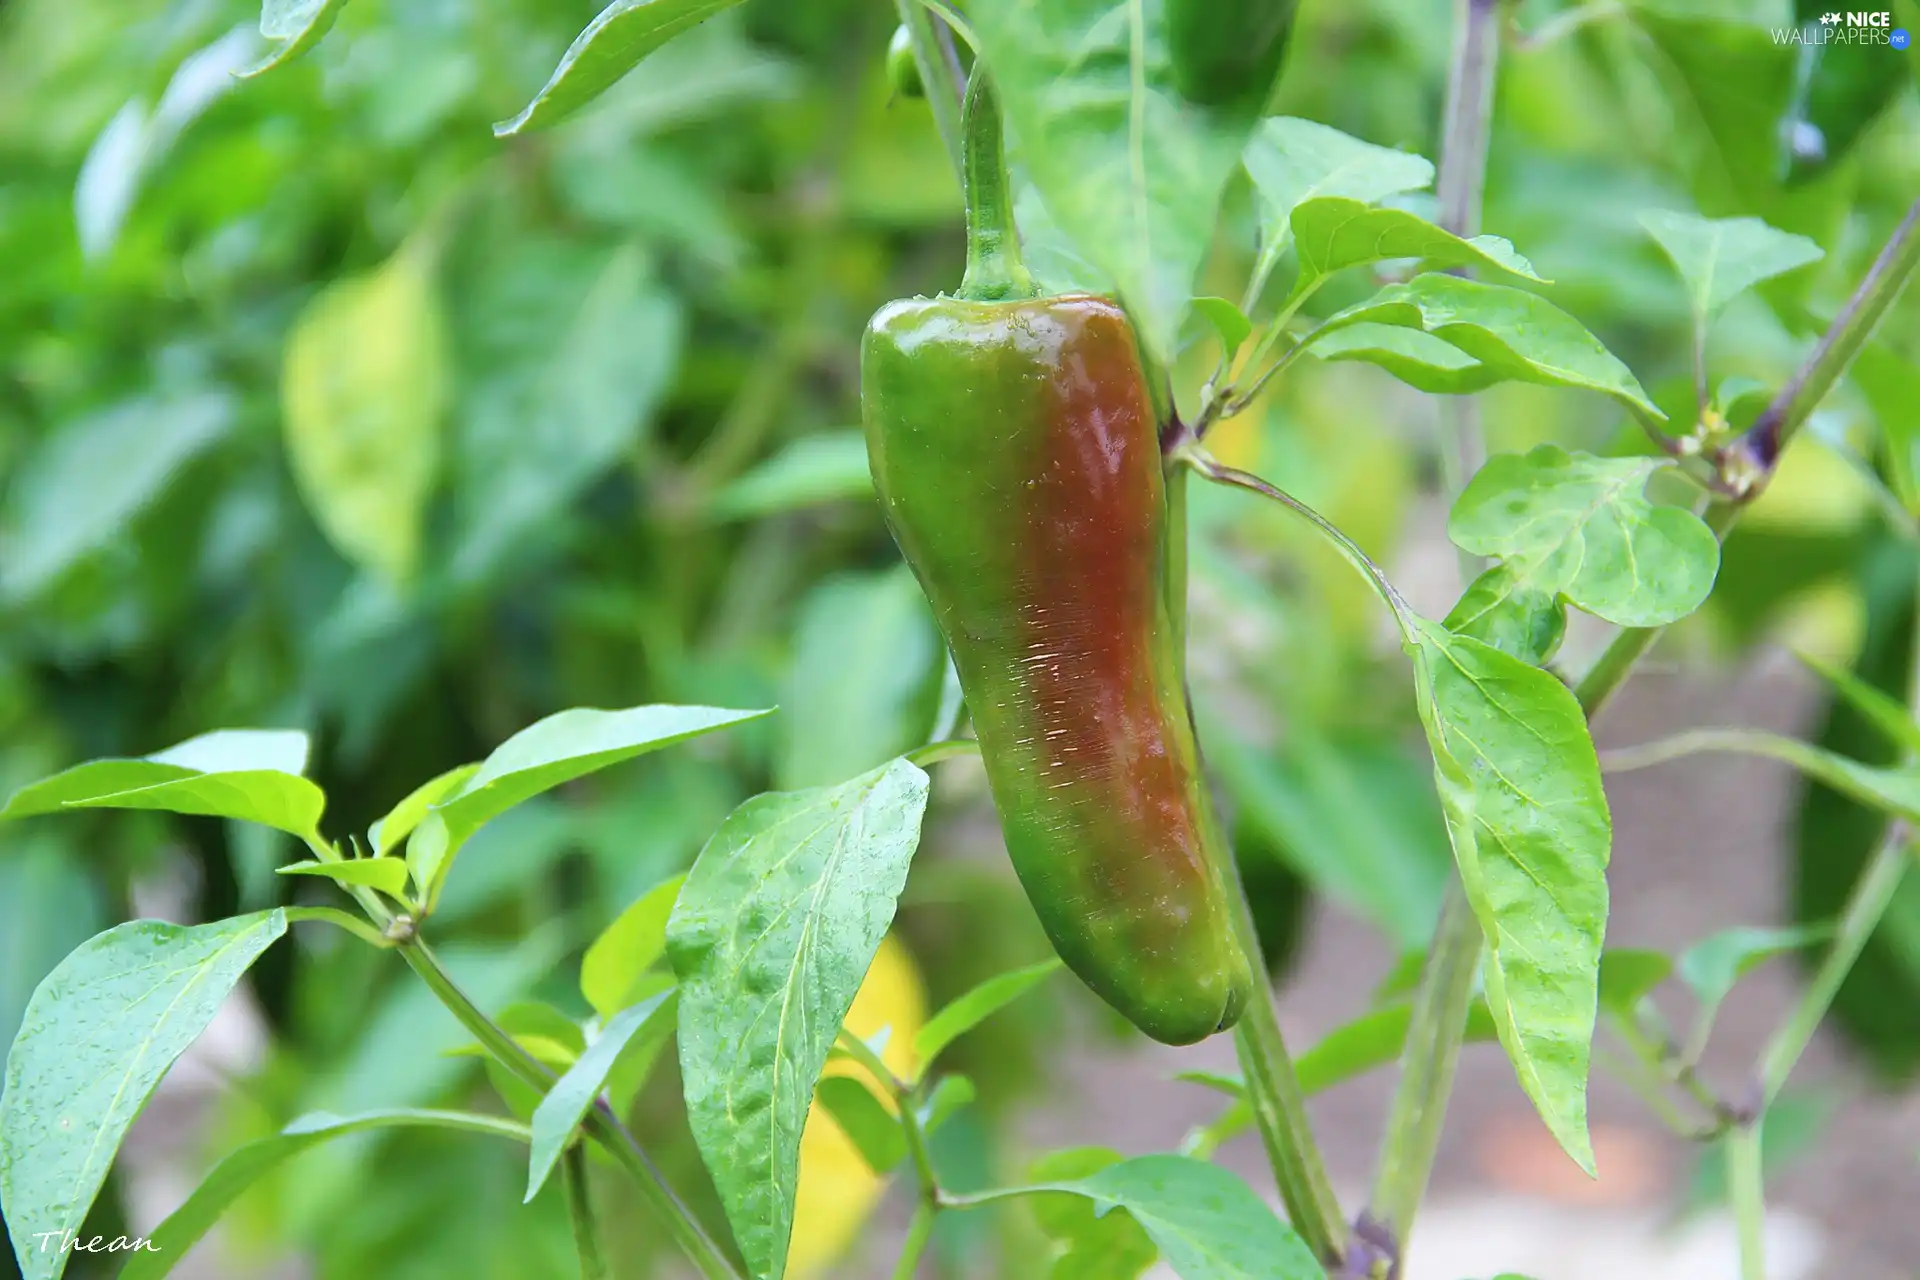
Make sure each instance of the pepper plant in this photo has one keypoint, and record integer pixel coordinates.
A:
(1035, 435)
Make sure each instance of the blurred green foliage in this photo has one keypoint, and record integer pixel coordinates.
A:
(322, 408)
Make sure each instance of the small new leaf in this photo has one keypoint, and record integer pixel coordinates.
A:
(1719, 259)
(975, 1007)
(388, 875)
(620, 957)
(385, 835)
(564, 746)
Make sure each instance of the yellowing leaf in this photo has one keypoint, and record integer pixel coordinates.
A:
(837, 1190)
(365, 388)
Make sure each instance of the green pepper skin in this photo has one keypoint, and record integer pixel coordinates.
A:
(1227, 51)
(1015, 451)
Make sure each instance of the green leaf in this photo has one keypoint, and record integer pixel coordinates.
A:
(566, 1103)
(775, 929)
(1129, 169)
(564, 746)
(1628, 975)
(1091, 1245)
(1727, 76)
(62, 504)
(1418, 359)
(975, 1007)
(872, 1129)
(100, 1032)
(138, 140)
(385, 835)
(570, 384)
(623, 953)
(364, 392)
(1520, 787)
(240, 1169)
(858, 693)
(1292, 161)
(1373, 1040)
(810, 471)
(613, 44)
(1721, 258)
(1204, 1220)
(946, 1100)
(1878, 708)
(296, 26)
(1332, 233)
(1573, 526)
(1713, 965)
(1519, 336)
(1228, 320)
(1513, 616)
(388, 875)
(250, 775)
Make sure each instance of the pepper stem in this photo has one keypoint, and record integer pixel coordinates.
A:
(995, 270)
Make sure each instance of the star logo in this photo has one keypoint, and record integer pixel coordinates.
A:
(1830, 19)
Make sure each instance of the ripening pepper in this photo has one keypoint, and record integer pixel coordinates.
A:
(1015, 449)
(1227, 51)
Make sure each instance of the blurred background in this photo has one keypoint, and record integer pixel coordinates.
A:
(322, 408)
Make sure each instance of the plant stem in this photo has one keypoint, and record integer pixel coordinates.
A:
(1865, 906)
(1469, 113)
(1432, 1052)
(1279, 1104)
(586, 1231)
(995, 269)
(352, 924)
(1746, 1188)
(919, 1232)
(1273, 1089)
(600, 1123)
(1761, 445)
(940, 72)
(1758, 450)
(1427, 1065)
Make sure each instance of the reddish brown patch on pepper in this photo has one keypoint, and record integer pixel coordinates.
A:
(1097, 511)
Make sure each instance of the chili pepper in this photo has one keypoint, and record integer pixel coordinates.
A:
(1227, 50)
(903, 73)
(1014, 446)
(1840, 89)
